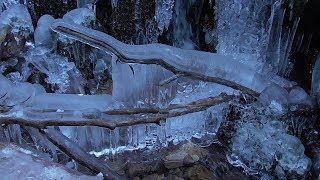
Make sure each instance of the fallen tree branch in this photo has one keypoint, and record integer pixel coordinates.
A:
(193, 64)
(119, 118)
(78, 154)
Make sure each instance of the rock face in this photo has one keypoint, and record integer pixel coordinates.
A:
(19, 163)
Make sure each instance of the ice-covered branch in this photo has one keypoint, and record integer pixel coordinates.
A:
(107, 119)
(75, 152)
(199, 65)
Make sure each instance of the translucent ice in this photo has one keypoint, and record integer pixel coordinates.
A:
(252, 30)
(204, 63)
(275, 97)
(263, 146)
(298, 96)
(164, 9)
(63, 75)
(83, 16)
(19, 18)
(43, 35)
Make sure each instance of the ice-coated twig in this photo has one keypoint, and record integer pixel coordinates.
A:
(78, 154)
(109, 119)
(193, 64)
(169, 80)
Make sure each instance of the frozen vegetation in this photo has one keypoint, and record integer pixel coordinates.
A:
(161, 94)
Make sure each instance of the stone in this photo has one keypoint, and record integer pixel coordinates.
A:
(198, 172)
(174, 177)
(135, 169)
(186, 154)
(154, 177)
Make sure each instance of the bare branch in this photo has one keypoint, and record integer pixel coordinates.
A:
(78, 154)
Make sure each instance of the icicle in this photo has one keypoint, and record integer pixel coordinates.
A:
(163, 16)
(15, 133)
(114, 3)
(292, 33)
(182, 30)
(315, 89)
(162, 135)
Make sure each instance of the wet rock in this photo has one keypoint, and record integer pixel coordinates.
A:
(135, 169)
(173, 177)
(198, 172)
(176, 172)
(186, 154)
(154, 177)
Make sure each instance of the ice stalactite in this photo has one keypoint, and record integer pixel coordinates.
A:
(62, 75)
(315, 89)
(163, 16)
(114, 3)
(253, 31)
(182, 30)
(83, 3)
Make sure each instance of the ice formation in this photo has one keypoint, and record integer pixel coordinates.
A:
(252, 31)
(275, 97)
(83, 16)
(62, 75)
(263, 144)
(299, 96)
(140, 78)
(182, 30)
(163, 16)
(21, 164)
(207, 64)
(316, 80)
(114, 3)
(19, 18)
(43, 35)
(141, 84)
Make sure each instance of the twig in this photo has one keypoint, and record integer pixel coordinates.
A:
(169, 80)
